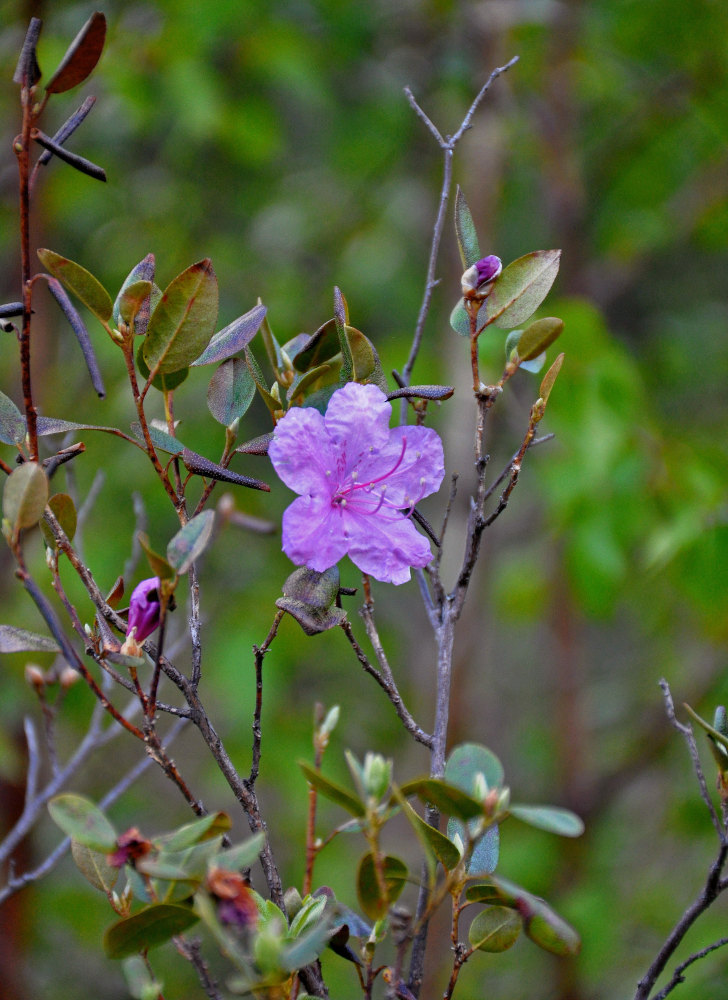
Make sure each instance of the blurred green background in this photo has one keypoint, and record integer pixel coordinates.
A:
(275, 138)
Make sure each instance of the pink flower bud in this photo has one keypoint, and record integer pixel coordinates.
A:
(143, 609)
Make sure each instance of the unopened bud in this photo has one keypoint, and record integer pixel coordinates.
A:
(144, 609)
(35, 676)
(377, 773)
(68, 677)
(478, 280)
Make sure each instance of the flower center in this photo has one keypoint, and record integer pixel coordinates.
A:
(367, 499)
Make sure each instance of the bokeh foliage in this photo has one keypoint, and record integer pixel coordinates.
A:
(275, 139)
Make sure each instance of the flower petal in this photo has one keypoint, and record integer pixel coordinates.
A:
(357, 419)
(302, 453)
(420, 471)
(313, 533)
(386, 547)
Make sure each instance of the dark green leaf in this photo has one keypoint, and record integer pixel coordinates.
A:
(311, 620)
(320, 348)
(202, 466)
(150, 927)
(81, 282)
(160, 439)
(25, 496)
(81, 56)
(446, 797)
(560, 821)
(165, 382)
(84, 822)
(373, 903)
(366, 367)
(495, 929)
(332, 791)
(233, 338)
(465, 231)
(341, 318)
(550, 931)
(319, 590)
(273, 404)
(19, 640)
(231, 391)
(191, 541)
(183, 321)
(158, 564)
(521, 288)
(433, 841)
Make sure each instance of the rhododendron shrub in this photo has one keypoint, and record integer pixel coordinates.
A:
(361, 467)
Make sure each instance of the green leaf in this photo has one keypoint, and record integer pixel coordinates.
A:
(84, 822)
(163, 383)
(192, 833)
(158, 564)
(714, 734)
(270, 401)
(306, 948)
(367, 368)
(19, 640)
(465, 231)
(132, 298)
(332, 791)
(139, 980)
(242, 855)
(25, 495)
(434, 842)
(232, 338)
(446, 797)
(550, 818)
(550, 931)
(341, 318)
(54, 425)
(64, 510)
(320, 348)
(202, 466)
(495, 929)
(183, 321)
(460, 321)
(521, 288)
(94, 867)
(538, 336)
(81, 56)
(12, 421)
(550, 377)
(160, 439)
(191, 541)
(81, 282)
(149, 928)
(307, 915)
(231, 391)
(372, 902)
(467, 761)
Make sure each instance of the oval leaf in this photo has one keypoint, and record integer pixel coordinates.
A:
(81, 282)
(332, 791)
(163, 383)
(160, 439)
(183, 321)
(12, 422)
(65, 513)
(143, 271)
(233, 338)
(521, 288)
(25, 496)
(467, 761)
(242, 855)
(486, 850)
(94, 867)
(191, 541)
(192, 833)
(150, 927)
(83, 821)
(538, 336)
(494, 929)
(231, 391)
(560, 821)
(443, 849)
(20, 640)
(550, 931)
(448, 798)
(158, 564)
(465, 231)
(81, 56)
(371, 900)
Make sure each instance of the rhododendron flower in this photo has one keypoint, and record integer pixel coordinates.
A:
(359, 481)
(144, 610)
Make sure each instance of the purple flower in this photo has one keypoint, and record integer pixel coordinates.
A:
(358, 482)
(480, 276)
(143, 609)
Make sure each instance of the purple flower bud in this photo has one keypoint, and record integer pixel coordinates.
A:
(481, 275)
(144, 609)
